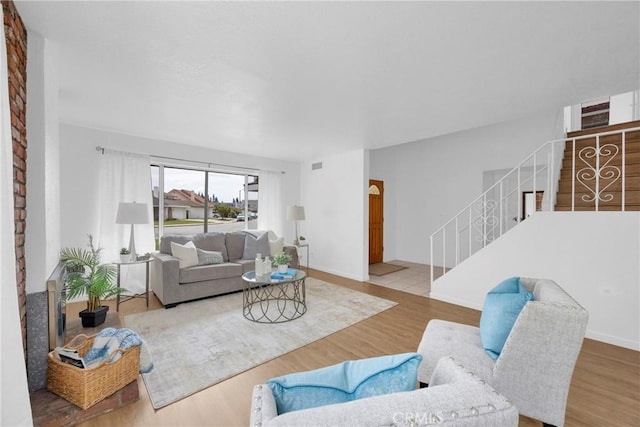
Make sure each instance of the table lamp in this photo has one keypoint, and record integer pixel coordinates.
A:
(132, 213)
(295, 213)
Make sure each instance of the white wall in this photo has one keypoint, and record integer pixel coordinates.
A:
(335, 199)
(429, 181)
(594, 256)
(624, 108)
(42, 242)
(79, 173)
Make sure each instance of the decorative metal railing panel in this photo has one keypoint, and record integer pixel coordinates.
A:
(596, 164)
(596, 168)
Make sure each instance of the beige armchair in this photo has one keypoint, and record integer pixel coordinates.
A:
(535, 366)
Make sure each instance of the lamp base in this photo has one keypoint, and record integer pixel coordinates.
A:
(132, 246)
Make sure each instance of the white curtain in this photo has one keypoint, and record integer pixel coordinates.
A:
(15, 408)
(124, 177)
(270, 210)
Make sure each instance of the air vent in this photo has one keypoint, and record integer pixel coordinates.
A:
(315, 166)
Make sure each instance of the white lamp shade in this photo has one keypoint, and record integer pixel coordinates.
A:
(295, 213)
(132, 213)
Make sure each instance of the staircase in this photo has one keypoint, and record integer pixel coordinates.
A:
(612, 152)
(591, 170)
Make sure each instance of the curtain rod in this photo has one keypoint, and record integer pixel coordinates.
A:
(102, 150)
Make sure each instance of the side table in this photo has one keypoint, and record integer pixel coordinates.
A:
(121, 299)
(304, 245)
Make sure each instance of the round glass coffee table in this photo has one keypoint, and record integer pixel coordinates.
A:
(273, 300)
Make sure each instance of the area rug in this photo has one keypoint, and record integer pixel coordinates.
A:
(382, 268)
(199, 344)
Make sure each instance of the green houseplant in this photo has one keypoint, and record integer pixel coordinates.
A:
(125, 255)
(86, 276)
(282, 260)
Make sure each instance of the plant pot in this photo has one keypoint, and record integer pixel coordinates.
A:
(125, 257)
(283, 268)
(91, 319)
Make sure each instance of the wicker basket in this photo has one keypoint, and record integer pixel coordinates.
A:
(86, 387)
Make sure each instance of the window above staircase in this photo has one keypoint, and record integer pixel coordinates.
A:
(601, 112)
(595, 114)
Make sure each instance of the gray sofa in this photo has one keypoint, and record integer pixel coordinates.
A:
(455, 397)
(174, 285)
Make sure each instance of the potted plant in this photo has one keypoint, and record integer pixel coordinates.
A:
(86, 276)
(125, 255)
(282, 260)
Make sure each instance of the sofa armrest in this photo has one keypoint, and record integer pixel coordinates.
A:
(164, 273)
(449, 371)
(465, 401)
(293, 252)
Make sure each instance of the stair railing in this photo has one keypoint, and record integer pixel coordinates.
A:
(593, 170)
(501, 207)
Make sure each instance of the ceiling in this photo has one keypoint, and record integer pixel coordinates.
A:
(295, 80)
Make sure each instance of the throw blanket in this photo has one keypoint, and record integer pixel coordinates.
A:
(111, 339)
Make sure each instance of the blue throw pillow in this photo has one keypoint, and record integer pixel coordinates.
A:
(501, 308)
(346, 381)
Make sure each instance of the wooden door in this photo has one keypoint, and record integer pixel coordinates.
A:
(376, 219)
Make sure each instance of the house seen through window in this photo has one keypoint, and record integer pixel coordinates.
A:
(190, 201)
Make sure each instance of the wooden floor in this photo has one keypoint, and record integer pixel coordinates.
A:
(605, 390)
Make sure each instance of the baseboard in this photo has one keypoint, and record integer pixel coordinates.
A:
(613, 340)
(339, 273)
(594, 335)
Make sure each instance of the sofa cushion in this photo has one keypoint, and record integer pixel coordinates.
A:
(201, 273)
(187, 254)
(346, 381)
(209, 257)
(165, 242)
(501, 308)
(247, 264)
(256, 244)
(212, 242)
(235, 244)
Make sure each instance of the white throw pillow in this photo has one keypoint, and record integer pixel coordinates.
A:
(276, 246)
(187, 254)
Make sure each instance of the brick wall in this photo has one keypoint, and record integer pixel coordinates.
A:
(16, 40)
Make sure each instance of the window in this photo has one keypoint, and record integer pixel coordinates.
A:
(195, 201)
(595, 114)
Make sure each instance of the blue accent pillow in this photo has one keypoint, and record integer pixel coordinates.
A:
(346, 381)
(501, 308)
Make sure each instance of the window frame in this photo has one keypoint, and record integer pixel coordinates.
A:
(161, 189)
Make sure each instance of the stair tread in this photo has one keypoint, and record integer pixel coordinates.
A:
(631, 145)
(583, 190)
(630, 185)
(630, 159)
(632, 169)
(616, 127)
(601, 208)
